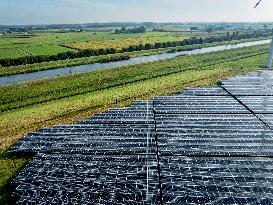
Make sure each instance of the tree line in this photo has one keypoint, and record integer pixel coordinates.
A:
(97, 52)
(123, 30)
(64, 56)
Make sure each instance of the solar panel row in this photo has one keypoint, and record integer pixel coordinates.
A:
(205, 92)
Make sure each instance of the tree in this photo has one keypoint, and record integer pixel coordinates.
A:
(193, 28)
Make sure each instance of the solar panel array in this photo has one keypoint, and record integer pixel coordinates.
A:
(202, 146)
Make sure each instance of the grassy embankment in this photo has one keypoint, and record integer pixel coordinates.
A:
(12, 70)
(28, 106)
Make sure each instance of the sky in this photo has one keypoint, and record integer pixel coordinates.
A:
(87, 11)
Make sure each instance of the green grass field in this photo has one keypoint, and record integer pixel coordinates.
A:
(12, 53)
(28, 106)
(50, 43)
(46, 50)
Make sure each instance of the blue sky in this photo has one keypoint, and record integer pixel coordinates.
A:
(85, 11)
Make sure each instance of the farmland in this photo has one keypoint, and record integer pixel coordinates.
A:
(28, 68)
(135, 39)
(12, 53)
(51, 43)
(54, 47)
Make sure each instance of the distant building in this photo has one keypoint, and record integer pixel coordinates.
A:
(23, 29)
(193, 28)
(78, 30)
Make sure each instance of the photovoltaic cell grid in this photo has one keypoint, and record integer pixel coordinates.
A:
(198, 105)
(216, 180)
(205, 92)
(88, 142)
(203, 146)
(86, 179)
(258, 104)
(141, 112)
(130, 131)
(213, 135)
(268, 119)
(254, 84)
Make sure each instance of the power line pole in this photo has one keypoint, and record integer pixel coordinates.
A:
(268, 63)
(269, 59)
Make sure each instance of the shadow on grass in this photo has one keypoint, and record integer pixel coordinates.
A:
(10, 166)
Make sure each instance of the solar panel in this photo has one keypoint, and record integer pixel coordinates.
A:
(253, 84)
(198, 104)
(249, 90)
(196, 124)
(122, 117)
(268, 119)
(205, 92)
(258, 104)
(268, 73)
(141, 112)
(101, 128)
(98, 126)
(87, 179)
(213, 135)
(110, 141)
(212, 180)
(240, 82)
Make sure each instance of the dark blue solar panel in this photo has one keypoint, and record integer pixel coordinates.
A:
(87, 179)
(205, 92)
(212, 180)
(198, 105)
(254, 84)
(94, 141)
(267, 118)
(218, 135)
(258, 104)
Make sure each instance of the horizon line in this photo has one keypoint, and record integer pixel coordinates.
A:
(137, 22)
